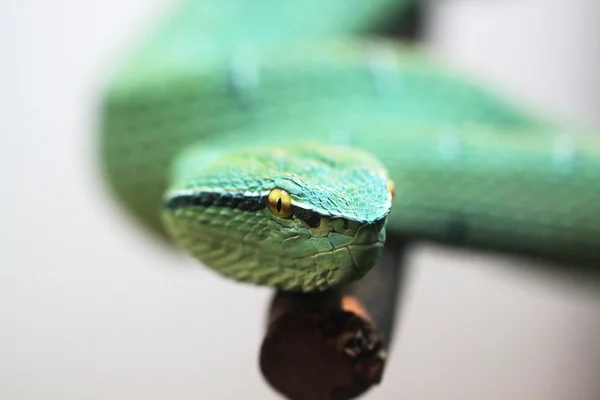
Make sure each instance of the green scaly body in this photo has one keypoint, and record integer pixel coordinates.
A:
(469, 168)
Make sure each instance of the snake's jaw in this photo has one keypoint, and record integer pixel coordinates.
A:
(282, 253)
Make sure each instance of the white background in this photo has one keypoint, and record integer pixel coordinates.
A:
(90, 308)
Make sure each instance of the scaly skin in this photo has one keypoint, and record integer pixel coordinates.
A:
(470, 168)
(217, 210)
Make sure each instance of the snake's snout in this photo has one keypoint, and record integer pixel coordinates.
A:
(364, 250)
(366, 247)
(370, 233)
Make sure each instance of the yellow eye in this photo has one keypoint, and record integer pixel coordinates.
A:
(279, 203)
(392, 188)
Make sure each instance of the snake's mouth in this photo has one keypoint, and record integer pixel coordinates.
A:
(364, 252)
(305, 252)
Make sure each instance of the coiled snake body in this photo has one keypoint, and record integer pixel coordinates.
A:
(266, 138)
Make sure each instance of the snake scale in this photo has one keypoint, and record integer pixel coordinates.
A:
(278, 141)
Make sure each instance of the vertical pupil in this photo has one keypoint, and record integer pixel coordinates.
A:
(279, 204)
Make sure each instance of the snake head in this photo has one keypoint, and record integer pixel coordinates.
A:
(303, 217)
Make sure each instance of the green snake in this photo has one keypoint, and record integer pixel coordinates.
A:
(278, 141)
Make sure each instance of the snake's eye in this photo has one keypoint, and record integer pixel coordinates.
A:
(279, 203)
(392, 188)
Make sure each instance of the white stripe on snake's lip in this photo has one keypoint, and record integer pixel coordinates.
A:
(197, 191)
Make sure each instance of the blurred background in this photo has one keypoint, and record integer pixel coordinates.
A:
(92, 308)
